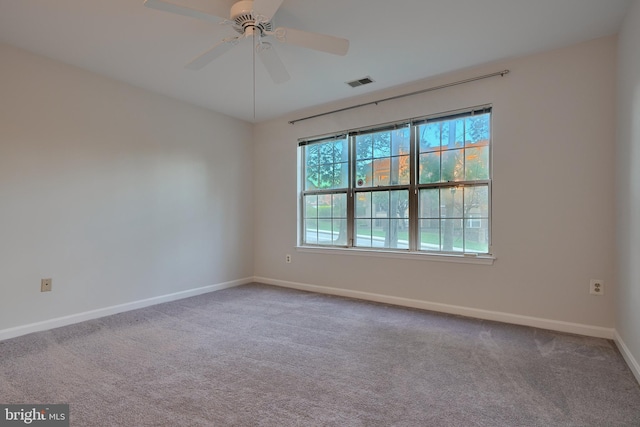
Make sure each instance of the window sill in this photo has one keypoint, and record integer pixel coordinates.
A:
(421, 256)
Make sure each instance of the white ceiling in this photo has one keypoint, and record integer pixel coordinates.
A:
(394, 42)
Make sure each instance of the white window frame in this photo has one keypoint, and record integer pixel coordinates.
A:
(413, 187)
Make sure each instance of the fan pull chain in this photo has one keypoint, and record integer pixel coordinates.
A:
(254, 73)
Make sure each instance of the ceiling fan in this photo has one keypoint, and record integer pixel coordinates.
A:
(252, 19)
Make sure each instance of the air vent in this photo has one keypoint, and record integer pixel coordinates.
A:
(360, 82)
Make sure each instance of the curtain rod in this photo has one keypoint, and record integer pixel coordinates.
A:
(459, 82)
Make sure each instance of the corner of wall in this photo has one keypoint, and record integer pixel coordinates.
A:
(628, 357)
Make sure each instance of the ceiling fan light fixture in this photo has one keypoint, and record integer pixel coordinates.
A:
(243, 7)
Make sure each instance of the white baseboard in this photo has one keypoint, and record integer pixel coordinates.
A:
(628, 357)
(555, 325)
(107, 311)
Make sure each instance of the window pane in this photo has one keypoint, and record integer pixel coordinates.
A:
(363, 233)
(340, 151)
(340, 232)
(323, 207)
(381, 204)
(477, 163)
(400, 170)
(399, 234)
(363, 205)
(364, 147)
(400, 141)
(311, 167)
(476, 211)
(381, 144)
(325, 235)
(381, 172)
(324, 177)
(341, 175)
(339, 205)
(476, 239)
(325, 167)
(311, 231)
(325, 151)
(364, 173)
(399, 203)
(429, 136)
(452, 166)
(452, 134)
(451, 202)
(429, 210)
(476, 201)
(311, 177)
(380, 233)
(451, 235)
(429, 168)
(477, 129)
(429, 237)
(310, 206)
(335, 179)
(429, 203)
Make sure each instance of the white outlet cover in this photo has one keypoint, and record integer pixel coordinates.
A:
(593, 287)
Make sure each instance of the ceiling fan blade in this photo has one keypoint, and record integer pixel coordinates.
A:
(213, 11)
(272, 62)
(266, 8)
(316, 41)
(212, 53)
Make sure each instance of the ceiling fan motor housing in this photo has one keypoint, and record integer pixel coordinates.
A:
(242, 14)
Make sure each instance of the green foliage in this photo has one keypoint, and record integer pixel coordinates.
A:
(326, 165)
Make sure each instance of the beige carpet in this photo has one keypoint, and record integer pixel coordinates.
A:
(258, 355)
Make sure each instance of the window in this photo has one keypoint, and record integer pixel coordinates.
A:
(421, 185)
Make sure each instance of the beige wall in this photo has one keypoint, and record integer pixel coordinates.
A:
(628, 187)
(553, 193)
(118, 194)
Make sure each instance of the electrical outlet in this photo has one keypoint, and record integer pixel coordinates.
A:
(45, 285)
(287, 258)
(596, 287)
